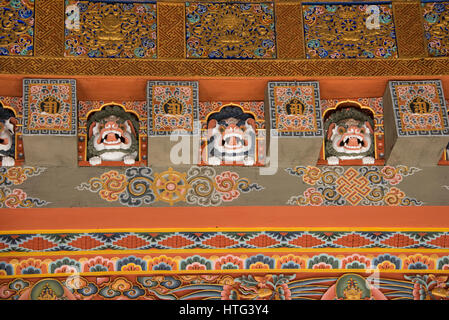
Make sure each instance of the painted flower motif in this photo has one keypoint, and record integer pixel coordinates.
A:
(259, 262)
(323, 261)
(387, 262)
(130, 263)
(226, 185)
(65, 265)
(291, 261)
(419, 261)
(6, 269)
(31, 266)
(195, 262)
(98, 264)
(356, 261)
(162, 263)
(443, 263)
(228, 262)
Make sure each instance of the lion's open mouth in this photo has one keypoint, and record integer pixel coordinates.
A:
(352, 142)
(113, 138)
(233, 141)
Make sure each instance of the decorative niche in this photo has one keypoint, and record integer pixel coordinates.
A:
(353, 132)
(232, 133)
(11, 142)
(112, 134)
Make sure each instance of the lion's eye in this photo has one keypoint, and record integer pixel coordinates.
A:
(341, 130)
(243, 128)
(2, 126)
(362, 131)
(222, 129)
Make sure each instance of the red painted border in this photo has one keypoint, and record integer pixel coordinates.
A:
(224, 217)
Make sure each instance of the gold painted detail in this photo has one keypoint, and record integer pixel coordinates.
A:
(49, 105)
(222, 30)
(173, 106)
(349, 31)
(106, 30)
(419, 105)
(16, 27)
(47, 294)
(295, 106)
(436, 28)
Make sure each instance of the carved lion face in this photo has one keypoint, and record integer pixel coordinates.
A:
(232, 136)
(350, 136)
(7, 128)
(112, 133)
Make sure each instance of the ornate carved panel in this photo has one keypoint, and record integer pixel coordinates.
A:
(339, 31)
(230, 30)
(110, 30)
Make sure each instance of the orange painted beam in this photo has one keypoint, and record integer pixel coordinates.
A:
(224, 217)
(219, 89)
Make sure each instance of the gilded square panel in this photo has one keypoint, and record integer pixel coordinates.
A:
(230, 30)
(295, 108)
(49, 107)
(111, 29)
(419, 108)
(436, 28)
(17, 27)
(172, 105)
(354, 31)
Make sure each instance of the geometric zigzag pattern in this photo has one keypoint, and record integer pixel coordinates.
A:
(54, 242)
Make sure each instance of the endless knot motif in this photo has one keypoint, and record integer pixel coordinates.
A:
(373, 186)
(230, 31)
(352, 186)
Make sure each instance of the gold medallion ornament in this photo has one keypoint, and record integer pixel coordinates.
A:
(419, 105)
(173, 106)
(170, 186)
(295, 106)
(49, 105)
